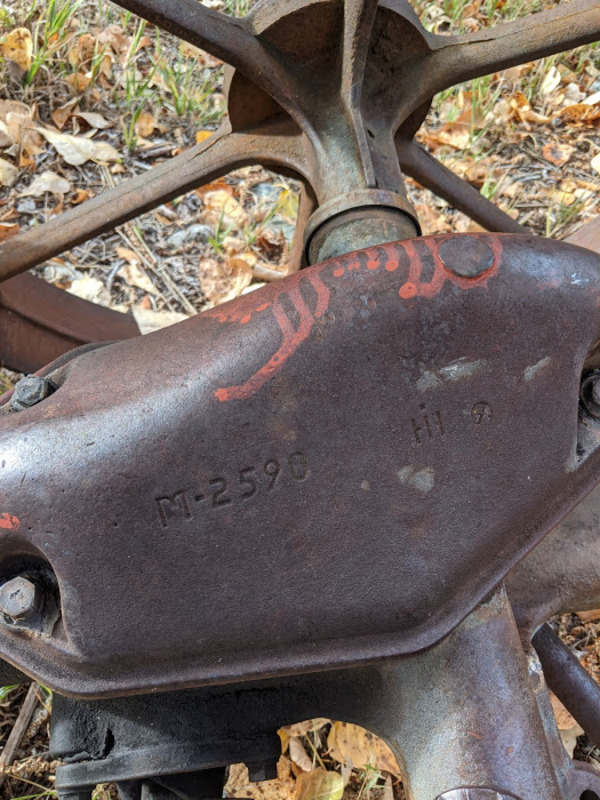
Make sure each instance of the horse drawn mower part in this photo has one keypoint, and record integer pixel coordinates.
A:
(385, 434)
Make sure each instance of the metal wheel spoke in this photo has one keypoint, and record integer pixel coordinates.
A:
(359, 16)
(587, 236)
(431, 174)
(460, 58)
(227, 38)
(193, 168)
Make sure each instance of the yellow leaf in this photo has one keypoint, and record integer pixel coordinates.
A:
(202, 136)
(17, 46)
(320, 784)
(284, 788)
(353, 745)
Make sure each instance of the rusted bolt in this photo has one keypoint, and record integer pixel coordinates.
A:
(596, 391)
(29, 391)
(476, 793)
(466, 256)
(590, 393)
(20, 600)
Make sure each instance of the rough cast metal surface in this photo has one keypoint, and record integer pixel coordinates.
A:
(500, 743)
(39, 322)
(310, 445)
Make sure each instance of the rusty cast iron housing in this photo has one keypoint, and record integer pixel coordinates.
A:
(310, 444)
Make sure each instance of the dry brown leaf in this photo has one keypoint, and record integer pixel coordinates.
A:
(6, 140)
(320, 784)
(8, 230)
(223, 211)
(14, 107)
(523, 110)
(114, 36)
(17, 46)
(284, 788)
(431, 219)
(213, 193)
(81, 195)
(269, 272)
(47, 181)
(477, 174)
(589, 616)
(133, 275)
(79, 82)
(351, 744)
(93, 119)
(145, 124)
(149, 321)
(581, 114)
(557, 153)
(90, 289)
(8, 173)
(303, 728)
(60, 204)
(18, 121)
(567, 725)
(76, 150)
(298, 754)
(83, 51)
(223, 282)
(551, 82)
(62, 115)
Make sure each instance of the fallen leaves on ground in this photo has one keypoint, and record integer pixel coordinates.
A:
(17, 46)
(76, 150)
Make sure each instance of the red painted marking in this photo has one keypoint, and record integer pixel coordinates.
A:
(9, 522)
(407, 290)
(414, 287)
(294, 336)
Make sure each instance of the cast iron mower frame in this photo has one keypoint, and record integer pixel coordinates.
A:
(402, 426)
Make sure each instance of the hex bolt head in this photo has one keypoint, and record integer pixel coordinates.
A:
(466, 256)
(20, 600)
(29, 391)
(596, 391)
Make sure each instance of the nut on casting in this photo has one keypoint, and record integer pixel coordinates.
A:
(20, 601)
(590, 393)
(30, 391)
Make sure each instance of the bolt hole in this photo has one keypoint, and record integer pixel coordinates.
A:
(589, 795)
(371, 134)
